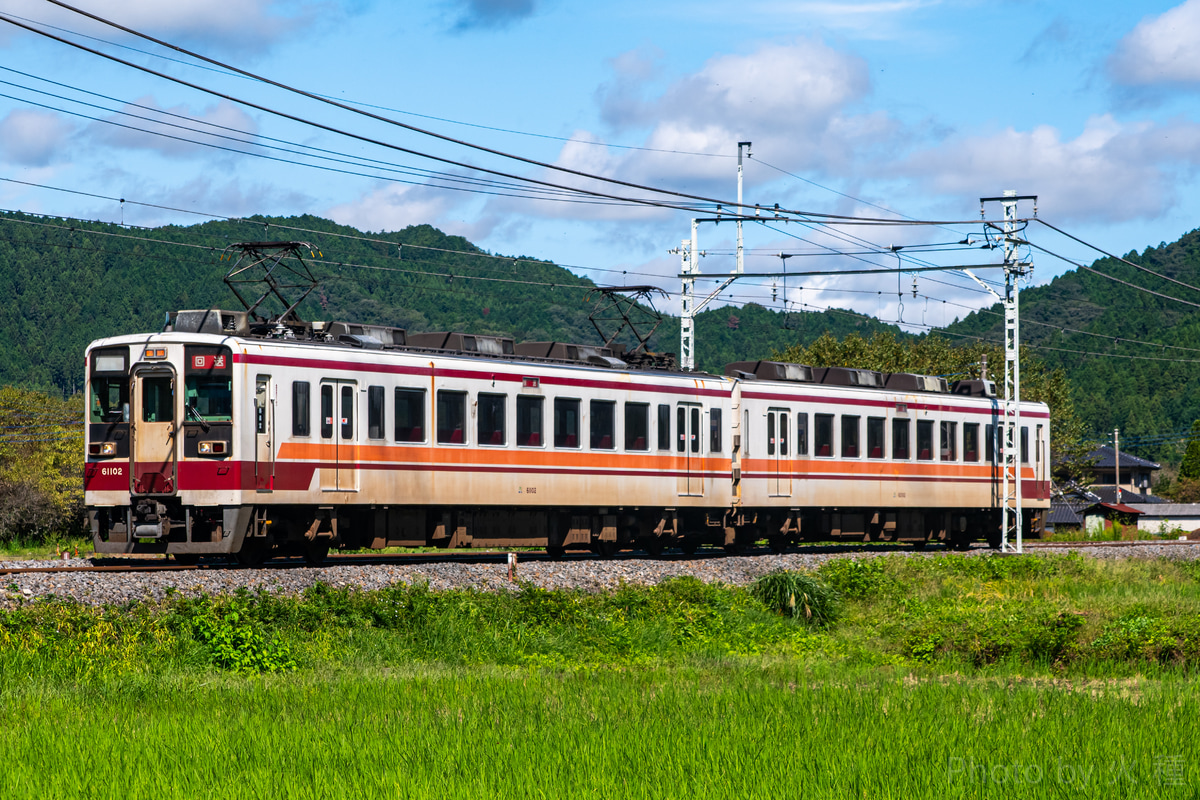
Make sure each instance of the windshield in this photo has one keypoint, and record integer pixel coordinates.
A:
(211, 398)
(110, 400)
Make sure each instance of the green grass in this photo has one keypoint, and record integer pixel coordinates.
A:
(45, 547)
(1034, 676)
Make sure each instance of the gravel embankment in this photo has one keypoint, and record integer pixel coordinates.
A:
(589, 574)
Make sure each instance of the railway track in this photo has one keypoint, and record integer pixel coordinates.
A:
(134, 565)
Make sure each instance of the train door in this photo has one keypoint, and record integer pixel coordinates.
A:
(264, 434)
(688, 451)
(152, 430)
(339, 428)
(779, 469)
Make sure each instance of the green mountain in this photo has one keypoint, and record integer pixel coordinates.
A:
(70, 282)
(1145, 390)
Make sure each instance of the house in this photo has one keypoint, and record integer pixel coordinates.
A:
(1166, 518)
(1099, 516)
(1136, 474)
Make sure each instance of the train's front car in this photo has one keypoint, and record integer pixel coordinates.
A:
(161, 474)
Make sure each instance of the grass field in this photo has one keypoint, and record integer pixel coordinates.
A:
(887, 677)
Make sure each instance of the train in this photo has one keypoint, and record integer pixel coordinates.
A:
(226, 435)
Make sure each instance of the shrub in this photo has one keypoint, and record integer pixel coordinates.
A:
(798, 595)
(856, 577)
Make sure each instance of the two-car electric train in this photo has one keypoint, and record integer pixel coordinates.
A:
(220, 435)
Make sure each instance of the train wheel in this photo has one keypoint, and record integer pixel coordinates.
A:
(251, 555)
(689, 546)
(778, 544)
(653, 546)
(315, 554)
(605, 549)
(555, 552)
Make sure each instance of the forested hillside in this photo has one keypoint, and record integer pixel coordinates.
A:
(68, 283)
(1143, 390)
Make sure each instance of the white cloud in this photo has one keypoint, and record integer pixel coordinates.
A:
(394, 207)
(1161, 49)
(221, 24)
(33, 138)
(1111, 171)
(208, 125)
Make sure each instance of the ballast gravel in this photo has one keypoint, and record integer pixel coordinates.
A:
(484, 573)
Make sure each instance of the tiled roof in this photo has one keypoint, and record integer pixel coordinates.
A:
(1169, 509)
(1105, 458)
(1063, 514)
(1108, 494)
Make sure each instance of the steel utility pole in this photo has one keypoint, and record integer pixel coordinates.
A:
(690, 268)
(1010, 428)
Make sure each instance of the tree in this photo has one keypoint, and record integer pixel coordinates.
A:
(1190, 466)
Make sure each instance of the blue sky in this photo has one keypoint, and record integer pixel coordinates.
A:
(910, 107)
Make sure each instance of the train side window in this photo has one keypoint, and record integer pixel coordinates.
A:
(1037, 453)
(770, 434)
(802, 434)
(410, 415)
(374, 412)
(681, 429)
(637, 426)
(602, 424)
(695, 430)
(970, 441)
(347, 418)
(823, 430)
(664, 427)
(783, 433)
(989, 441)
(1024, 444)
(746, 433)
(901, 431)
(924, 440)
(875, 437)
(949, 441)
(326, 411)
(491, 419)
(850, 430)
(451, 417)
(529, 421)
(714, 430)
(300, 411)
(566, 423)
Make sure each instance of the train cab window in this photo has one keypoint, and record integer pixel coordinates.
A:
(110, 399)
(875, 437)
(714, 430)
(948, 438)
(850, 430)
(823, 432)
(451, 417)
(326, 411)
(970, 441)
(566, 423)
(300, 408)
(491, 419)
(637, 426)
(924, 440)
(347, 418)
(209, 398)
(901, 430)
(374, 412)
(410, 415)
(1024, 445)
(602, 424)
(158, 400)
(802, 434)
(664, 427)
(529, 421)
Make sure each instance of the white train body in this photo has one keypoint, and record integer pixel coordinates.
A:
(214, 440)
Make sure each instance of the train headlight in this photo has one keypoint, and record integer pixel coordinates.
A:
(211, 448)
(102, 449)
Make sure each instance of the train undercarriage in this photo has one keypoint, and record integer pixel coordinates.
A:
(254, 533)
